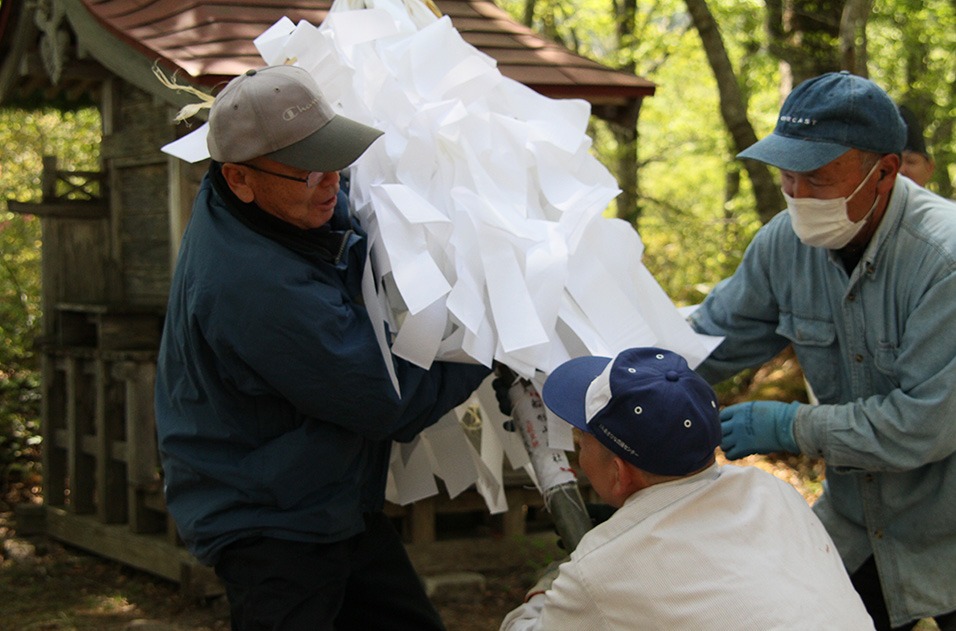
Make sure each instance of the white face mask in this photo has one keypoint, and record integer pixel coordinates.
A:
(823, 223)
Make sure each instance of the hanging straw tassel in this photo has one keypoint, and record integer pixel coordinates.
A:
(188, 111)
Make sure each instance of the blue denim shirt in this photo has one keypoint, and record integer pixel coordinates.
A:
(878, 347)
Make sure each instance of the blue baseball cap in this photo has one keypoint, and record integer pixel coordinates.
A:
(646, 405)
(825, 117)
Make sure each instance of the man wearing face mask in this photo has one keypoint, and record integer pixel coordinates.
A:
(859, 275)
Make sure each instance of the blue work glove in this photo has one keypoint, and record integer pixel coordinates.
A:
(758, 427)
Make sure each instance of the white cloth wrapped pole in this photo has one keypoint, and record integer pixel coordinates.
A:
(556, 479)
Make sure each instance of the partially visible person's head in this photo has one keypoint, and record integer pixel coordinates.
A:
(281, 143)
(644, 408)
(837, 143)
(917, 164)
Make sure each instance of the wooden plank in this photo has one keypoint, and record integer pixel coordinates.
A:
(514, 519)
(421, 521)
(49, 276)
(110, 474)
(152, 554)
(66, 209)
(77, 255)
(109, 327)
(148, 285)
(142, 142)
(52, 413)
(80, 465)
(184, 181)
(142, 454)
(145, 252)
(146, 227)
(143, 190)
(133, 331)
(172, 531)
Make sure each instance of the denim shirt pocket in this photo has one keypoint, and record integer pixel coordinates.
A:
(885, 362)
(814, 342)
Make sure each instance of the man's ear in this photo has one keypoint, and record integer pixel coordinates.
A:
(888, 169)
(236, 179)
(627, 481)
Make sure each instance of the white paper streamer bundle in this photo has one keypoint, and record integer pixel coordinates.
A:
(484, 210)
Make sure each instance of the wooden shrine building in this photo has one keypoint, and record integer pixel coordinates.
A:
(109, 246)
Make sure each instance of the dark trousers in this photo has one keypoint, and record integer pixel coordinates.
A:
(866, 580)
(366, 582)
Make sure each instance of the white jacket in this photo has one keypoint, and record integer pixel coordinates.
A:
(728, 548)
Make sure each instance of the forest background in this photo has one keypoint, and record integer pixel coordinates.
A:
(721, 67)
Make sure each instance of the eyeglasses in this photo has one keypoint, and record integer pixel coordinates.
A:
(311, 180)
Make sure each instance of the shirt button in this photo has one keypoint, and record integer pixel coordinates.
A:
(858, 359)
(851, 297)
(878, 533)
(868, 477)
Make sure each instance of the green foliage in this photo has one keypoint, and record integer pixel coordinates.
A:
(911, 51)
(696, 211)
(695, 215)
(25, 137)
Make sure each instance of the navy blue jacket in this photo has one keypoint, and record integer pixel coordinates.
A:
(274, 409)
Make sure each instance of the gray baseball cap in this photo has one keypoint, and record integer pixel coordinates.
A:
(278, 112)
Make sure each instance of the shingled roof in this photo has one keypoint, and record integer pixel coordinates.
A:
(210, 41)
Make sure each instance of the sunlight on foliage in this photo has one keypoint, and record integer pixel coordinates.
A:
(696, 208)
(693, 230)
(25, 137)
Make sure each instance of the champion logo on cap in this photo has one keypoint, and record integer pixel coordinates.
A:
(294, 111)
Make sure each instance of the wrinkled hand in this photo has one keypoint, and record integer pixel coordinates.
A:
(758, 427)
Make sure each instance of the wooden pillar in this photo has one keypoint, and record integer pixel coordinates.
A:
(142, 457)
(52, 412)
(110, 473)
(79, 410)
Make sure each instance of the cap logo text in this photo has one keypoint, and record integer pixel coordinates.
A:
(798, 120)
(294, 111)
(617, 441)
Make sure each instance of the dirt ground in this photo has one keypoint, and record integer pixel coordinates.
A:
(46, 586)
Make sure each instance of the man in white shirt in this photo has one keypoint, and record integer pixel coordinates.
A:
(692, 545)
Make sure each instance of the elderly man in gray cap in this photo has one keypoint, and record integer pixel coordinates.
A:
(859, 275)
(274, 407)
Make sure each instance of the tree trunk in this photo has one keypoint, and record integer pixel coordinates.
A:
(805, 35)
(733, 109)
(853, 36)
(623, 125)
(622, 122)
(528, 18)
